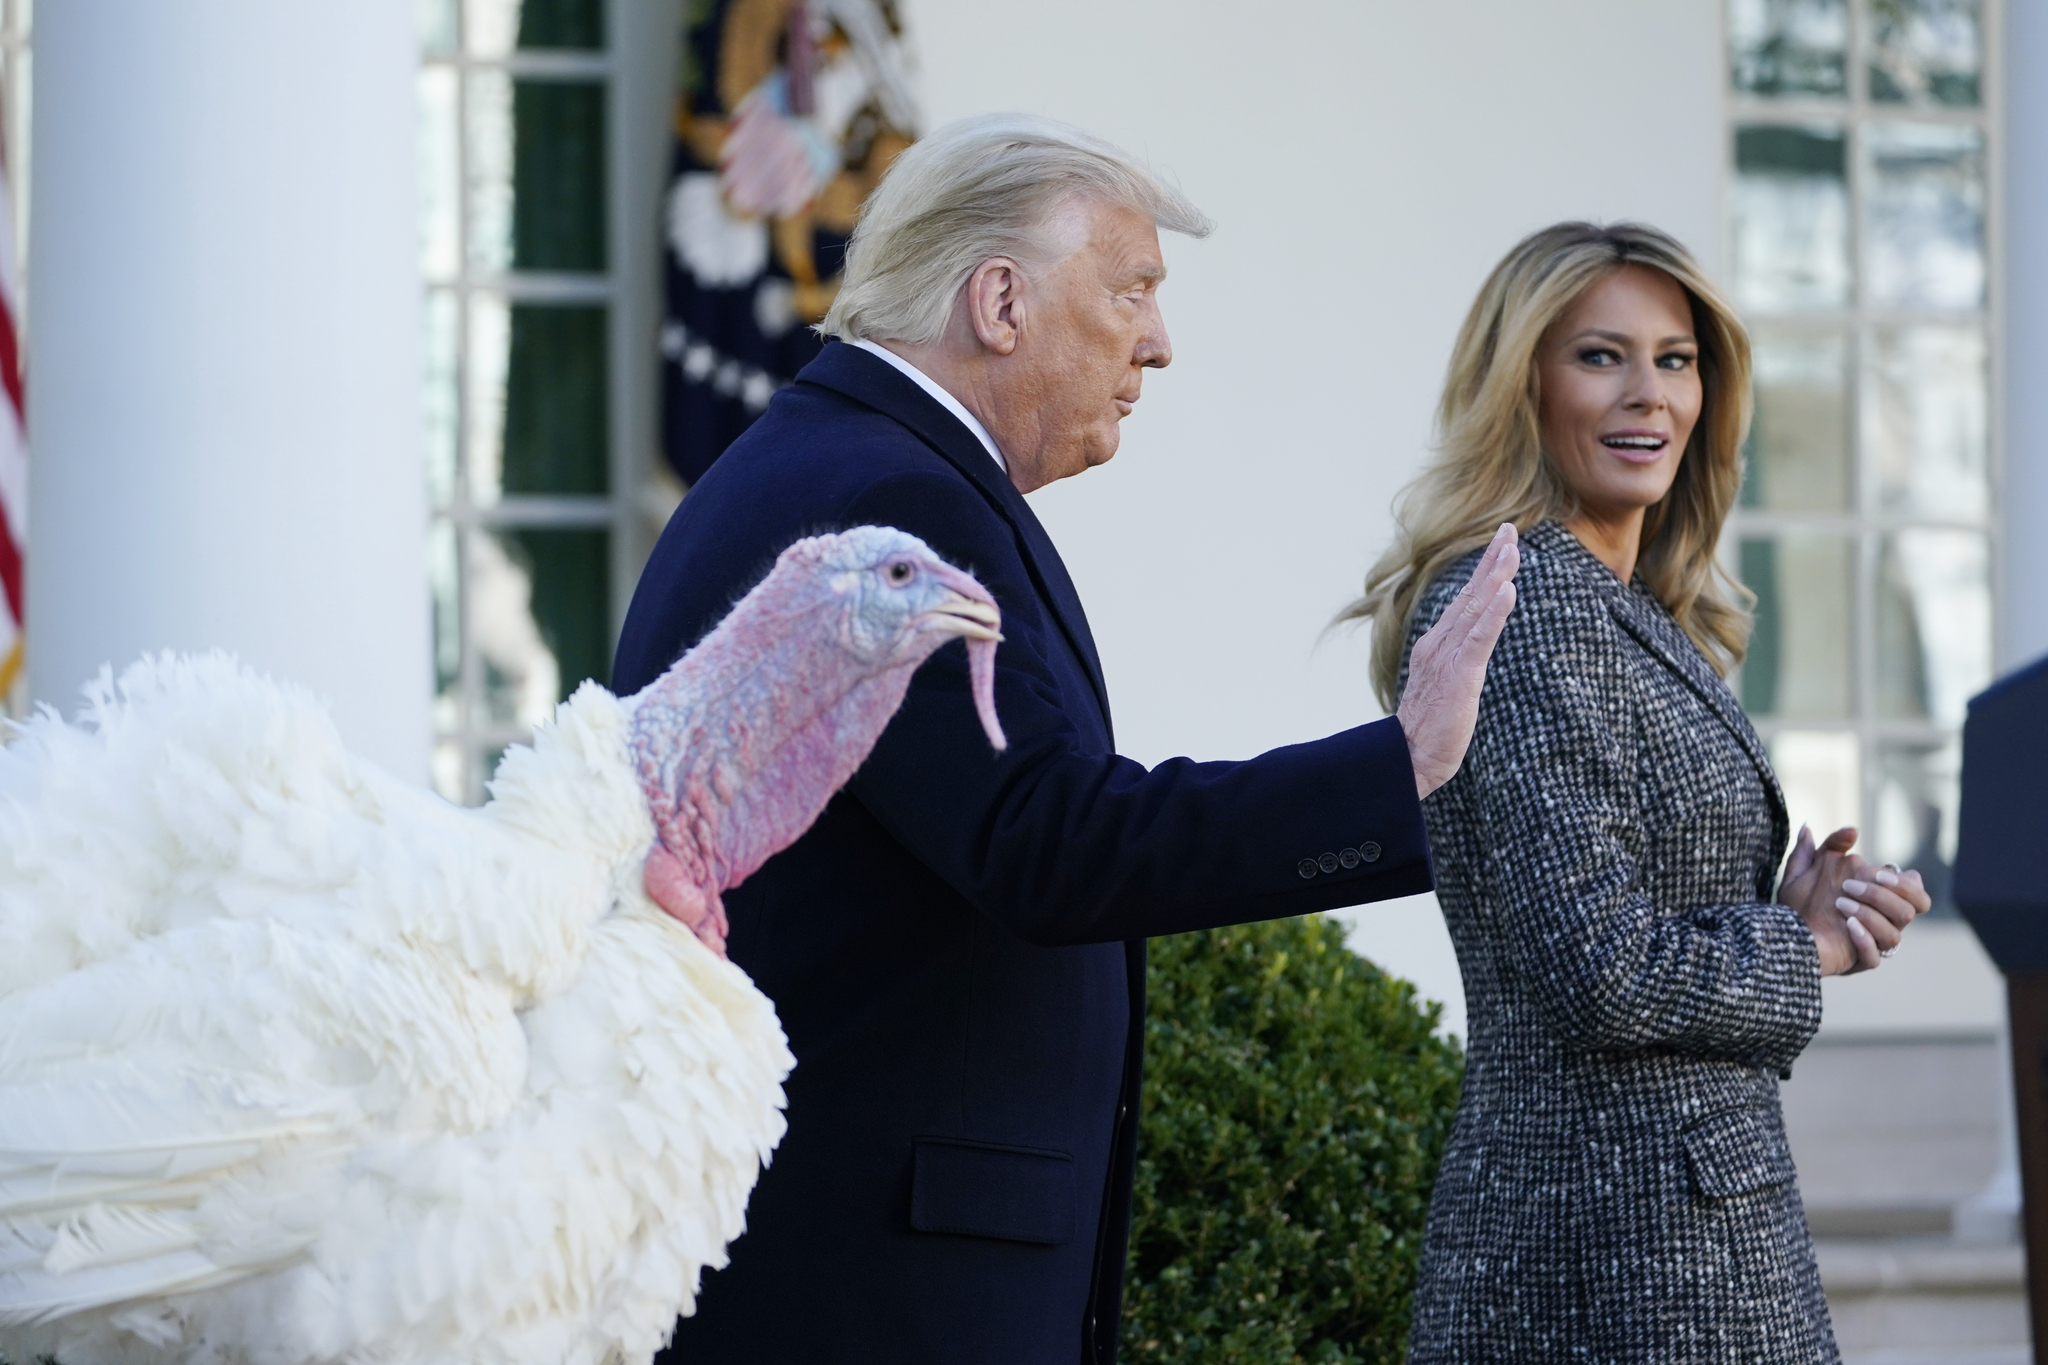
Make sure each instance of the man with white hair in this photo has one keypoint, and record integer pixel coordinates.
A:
(957, 947)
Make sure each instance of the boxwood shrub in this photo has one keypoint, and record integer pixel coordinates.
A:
(1296, 1105)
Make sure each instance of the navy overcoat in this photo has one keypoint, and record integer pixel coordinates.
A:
(957, 947)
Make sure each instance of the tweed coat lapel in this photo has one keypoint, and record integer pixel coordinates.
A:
(1655, 631)
(867, 380)
(1661, 638)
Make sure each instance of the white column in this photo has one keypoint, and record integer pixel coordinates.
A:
(2024, 502)
(224, 377)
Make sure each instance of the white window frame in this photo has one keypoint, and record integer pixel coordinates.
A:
(637, 69)
(1865, 521)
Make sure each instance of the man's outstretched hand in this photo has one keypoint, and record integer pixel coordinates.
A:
(1448, 666)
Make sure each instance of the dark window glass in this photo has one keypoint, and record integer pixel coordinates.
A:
(562, 23)
(1759, 570)
(570, 572)
(556, 382)
(558, 218)
(1770, 148)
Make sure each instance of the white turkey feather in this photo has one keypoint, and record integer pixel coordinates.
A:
(299, 1063)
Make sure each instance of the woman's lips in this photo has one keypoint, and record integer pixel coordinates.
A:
(1637, 447)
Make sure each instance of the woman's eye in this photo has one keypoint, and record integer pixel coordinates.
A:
(1676, 362)
(1600, 357)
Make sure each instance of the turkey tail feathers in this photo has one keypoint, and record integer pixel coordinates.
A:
(301, 1064)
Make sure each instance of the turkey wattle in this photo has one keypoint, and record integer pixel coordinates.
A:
(299, 1063)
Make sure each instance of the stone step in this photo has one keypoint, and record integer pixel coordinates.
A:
(1926, 1301)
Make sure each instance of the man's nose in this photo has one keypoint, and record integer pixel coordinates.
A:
(1155, 349)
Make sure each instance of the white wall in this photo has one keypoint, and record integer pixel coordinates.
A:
(2023, 602)
(224, 396)
(1367, 163)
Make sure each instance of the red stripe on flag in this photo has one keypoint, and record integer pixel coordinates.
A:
(10, 572)
(10, 363)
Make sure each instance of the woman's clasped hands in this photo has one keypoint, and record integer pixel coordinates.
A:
(1855, 912)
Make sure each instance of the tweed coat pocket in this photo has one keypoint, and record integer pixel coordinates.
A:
(1737, 1150)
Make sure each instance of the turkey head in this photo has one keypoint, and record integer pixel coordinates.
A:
(742, 742)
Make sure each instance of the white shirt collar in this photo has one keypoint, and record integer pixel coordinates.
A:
(945, 400)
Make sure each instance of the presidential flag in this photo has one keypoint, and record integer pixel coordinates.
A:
(788, 114)
(13, 453)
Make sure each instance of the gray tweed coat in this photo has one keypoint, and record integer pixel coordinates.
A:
(1618, 1185)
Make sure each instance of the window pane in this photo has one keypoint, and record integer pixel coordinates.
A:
(490, 28)
(1798, 457)
(1933, 624)
(1914, 821)
(495, 27)
(1798, 662)
(487, 127)
(562, 23)
(539, 616)
(1930, 417)
(444, 574)
(558, 213)
(556, 432)
(440, 173)
(1926, 52)
(490, 346)
(1820, 773)
(484, 764)
(441, 401)
(449, 778)
(1925, 216)
(435, 21)
(1791, 220)
(1788, 47)
(536, 173)
(538, 407)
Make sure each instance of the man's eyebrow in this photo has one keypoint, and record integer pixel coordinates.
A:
(1151, 274)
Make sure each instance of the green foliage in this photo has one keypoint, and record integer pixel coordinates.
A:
(1296, 1107)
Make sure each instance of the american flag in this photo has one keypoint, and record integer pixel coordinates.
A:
(13, 450)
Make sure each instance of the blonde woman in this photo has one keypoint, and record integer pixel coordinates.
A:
(1638, 978)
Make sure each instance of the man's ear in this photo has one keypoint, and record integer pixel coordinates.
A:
(995, 303)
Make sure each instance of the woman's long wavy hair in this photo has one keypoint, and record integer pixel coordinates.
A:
(1491, 467)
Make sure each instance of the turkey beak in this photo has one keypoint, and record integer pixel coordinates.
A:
(965, 616)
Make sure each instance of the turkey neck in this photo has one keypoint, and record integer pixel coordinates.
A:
(743, 741)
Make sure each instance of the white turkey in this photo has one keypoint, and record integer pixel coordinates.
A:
(300, 1063)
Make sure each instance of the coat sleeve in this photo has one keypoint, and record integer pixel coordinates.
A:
(1553, 779)
(1064, 846)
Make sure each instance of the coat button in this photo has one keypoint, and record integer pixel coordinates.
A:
(1349, 857)
(1369, 851)
(1306, 867)
(1328, 862)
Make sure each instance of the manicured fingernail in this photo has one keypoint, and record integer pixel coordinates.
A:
(1854, 887)
(1885, 879)
(1847, 906)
